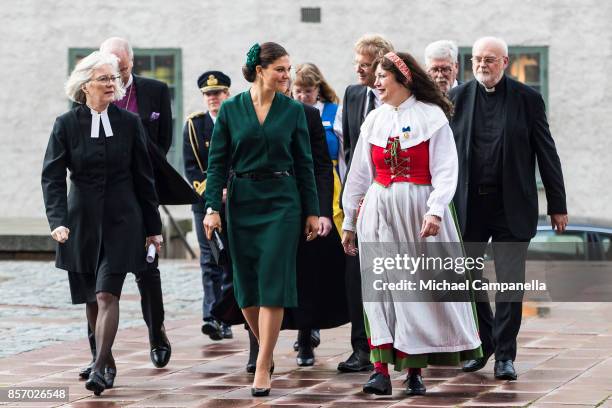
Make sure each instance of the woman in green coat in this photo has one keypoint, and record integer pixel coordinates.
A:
(262, 136)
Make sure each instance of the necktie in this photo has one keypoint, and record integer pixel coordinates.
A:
(371, 102)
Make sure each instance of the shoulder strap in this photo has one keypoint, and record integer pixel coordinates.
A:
(193, 140)
(329, 114)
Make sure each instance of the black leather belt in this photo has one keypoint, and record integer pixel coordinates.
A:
(484, 189)
(263, 176)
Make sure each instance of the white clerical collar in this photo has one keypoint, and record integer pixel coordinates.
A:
(129, 81)
(95, 123)
(492, 89)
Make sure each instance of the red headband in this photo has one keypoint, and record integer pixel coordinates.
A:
(399, 64)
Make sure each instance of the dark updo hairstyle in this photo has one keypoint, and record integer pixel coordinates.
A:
(269, 52)
(421, 86)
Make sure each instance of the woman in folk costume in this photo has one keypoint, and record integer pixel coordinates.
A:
(405, 171)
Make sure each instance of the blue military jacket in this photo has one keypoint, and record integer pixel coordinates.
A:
(196, 141)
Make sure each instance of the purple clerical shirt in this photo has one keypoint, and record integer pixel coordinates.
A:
(129, 101)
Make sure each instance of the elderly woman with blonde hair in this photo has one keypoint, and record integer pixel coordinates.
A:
(108, 219)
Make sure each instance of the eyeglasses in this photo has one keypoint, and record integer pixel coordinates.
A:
(486, 60)
(362, 65)
(440, 70)
(106, 79)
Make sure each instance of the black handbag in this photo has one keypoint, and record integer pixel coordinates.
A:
(217, 247)
(227, 310)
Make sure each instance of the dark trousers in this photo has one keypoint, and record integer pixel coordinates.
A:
(212, 274)
(486, 220)
(152, 304)
(359, 340)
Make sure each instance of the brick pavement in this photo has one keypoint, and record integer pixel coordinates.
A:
(564, 360)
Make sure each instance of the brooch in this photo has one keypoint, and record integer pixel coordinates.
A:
(406, 132)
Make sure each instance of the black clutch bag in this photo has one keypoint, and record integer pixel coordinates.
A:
(217, 247)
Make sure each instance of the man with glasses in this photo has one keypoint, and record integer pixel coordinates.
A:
(500, 129)
(150, 100)
(197, 134)
(441, 64)
(359, 100)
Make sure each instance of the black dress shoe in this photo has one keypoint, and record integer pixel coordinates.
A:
(378, 384)
(415, 385)
(160, 356)
(305, 357)
(504, 370)
(260, 392)
(226, 331)
(358, 361)
(315, 338)
(95, 382)
(85, 371)
(212, 329)
(476, 364)
(109, 376)
(160, 348)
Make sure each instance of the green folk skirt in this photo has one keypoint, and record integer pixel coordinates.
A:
(264, 222)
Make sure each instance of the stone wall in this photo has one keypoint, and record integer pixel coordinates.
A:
(36, 37)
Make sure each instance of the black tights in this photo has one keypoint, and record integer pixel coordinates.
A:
(103, 319)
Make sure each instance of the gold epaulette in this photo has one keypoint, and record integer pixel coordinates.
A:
(199, 186)
(195, 115)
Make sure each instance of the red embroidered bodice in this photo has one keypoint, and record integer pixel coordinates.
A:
(394, 164)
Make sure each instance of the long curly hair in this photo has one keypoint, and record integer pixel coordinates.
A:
(421, 86)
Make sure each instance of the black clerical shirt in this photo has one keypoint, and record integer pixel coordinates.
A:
(488, 135)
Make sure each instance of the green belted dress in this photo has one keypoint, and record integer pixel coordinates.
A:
(265, 217)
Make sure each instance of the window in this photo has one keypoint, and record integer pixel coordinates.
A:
(547, 245)
(163, 64)
(311, 14)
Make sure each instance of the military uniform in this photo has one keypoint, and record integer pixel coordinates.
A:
(197, 134)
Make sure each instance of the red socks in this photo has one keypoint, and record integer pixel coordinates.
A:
(382, 368)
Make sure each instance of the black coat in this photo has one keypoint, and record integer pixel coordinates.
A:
(353, 105)
(153, 96)
(320, 263)
(526, 138)
(112, 199)
(195, 153)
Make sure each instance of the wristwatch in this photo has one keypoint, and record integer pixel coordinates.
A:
(210, 211)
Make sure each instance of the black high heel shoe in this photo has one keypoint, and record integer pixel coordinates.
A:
(109, 376)
(95, 382)
(263, 392)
